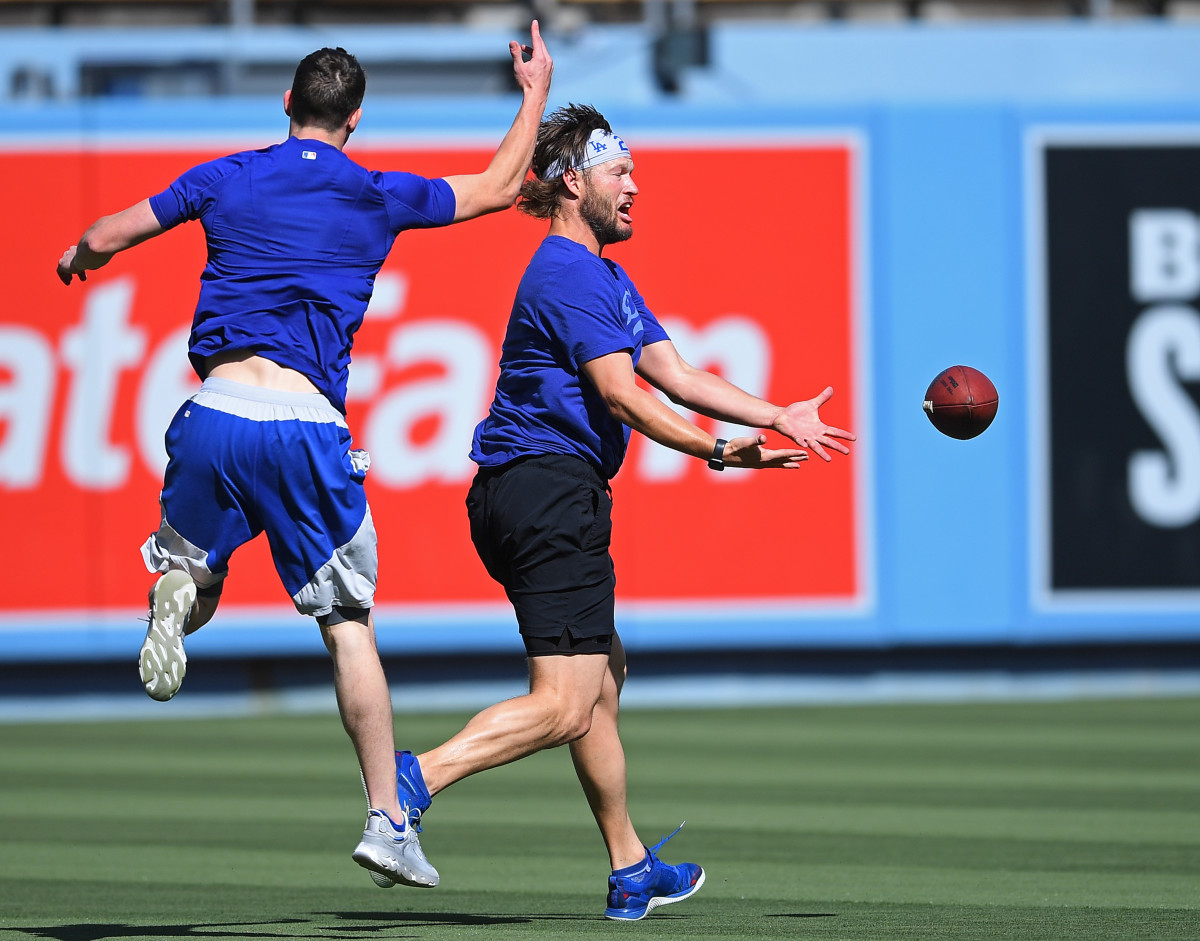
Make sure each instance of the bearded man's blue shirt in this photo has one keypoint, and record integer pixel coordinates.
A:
(571, 306)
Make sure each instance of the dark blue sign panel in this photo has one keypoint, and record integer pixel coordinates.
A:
(1120, 402)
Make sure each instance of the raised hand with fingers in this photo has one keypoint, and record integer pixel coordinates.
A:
(532, 65)
(801, 422)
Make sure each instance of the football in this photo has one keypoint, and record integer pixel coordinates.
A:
(961, 402)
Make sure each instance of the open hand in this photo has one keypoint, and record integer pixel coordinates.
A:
(801, 422)
(749, 452)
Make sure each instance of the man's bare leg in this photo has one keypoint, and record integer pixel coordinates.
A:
(365, 704)
(599, 759)
(562, 697)
(205, 606)
(389, 848)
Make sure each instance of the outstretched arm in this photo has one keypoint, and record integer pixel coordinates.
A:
(107, 236)
(498, 186)
(709, 394)
(629, 403)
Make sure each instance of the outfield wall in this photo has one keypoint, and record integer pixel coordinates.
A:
(1044, 233)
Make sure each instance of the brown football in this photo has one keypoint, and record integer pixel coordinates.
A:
(961, 402)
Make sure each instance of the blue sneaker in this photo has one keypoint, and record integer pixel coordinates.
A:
(637, 890)
(410, 787)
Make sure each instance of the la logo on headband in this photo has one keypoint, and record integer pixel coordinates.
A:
(601, 147)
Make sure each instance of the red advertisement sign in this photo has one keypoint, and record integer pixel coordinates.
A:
(754, 279)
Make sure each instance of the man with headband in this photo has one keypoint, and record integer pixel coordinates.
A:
(565, 404)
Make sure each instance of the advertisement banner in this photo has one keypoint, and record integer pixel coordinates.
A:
(761, 289)
(1118, 508)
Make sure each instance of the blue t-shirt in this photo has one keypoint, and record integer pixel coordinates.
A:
(571, 307)
(296, 234)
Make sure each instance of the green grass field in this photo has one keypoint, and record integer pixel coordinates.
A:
(1076, 820)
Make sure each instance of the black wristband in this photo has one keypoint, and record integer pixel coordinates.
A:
(717, 461)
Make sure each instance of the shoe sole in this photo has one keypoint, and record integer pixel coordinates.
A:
(162, 663)
(658, 901)
(384, 882)
(376, 863)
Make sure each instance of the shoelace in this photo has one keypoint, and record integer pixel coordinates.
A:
(414, 817)
(659, 845)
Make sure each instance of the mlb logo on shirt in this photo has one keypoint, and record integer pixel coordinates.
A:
(308, 154)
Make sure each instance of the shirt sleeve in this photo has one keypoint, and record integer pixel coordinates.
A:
(653, 331)
(188, 197)
(417, 202)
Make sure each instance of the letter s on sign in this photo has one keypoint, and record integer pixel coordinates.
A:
(1164, 486)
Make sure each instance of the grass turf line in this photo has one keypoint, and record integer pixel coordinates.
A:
(992, 821)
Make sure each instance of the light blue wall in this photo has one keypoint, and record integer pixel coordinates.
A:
(945, 294)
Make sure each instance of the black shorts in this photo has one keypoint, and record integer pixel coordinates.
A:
(542, 526)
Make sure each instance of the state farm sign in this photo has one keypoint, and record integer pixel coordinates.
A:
(761, 292)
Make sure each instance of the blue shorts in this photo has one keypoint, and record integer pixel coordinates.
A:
(244, 460)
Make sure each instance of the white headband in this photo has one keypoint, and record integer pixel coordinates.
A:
(601, 147)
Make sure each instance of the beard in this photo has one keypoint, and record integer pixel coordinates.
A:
(601, 217)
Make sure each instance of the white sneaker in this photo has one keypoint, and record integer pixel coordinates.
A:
(162, 663)
(393, 852)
